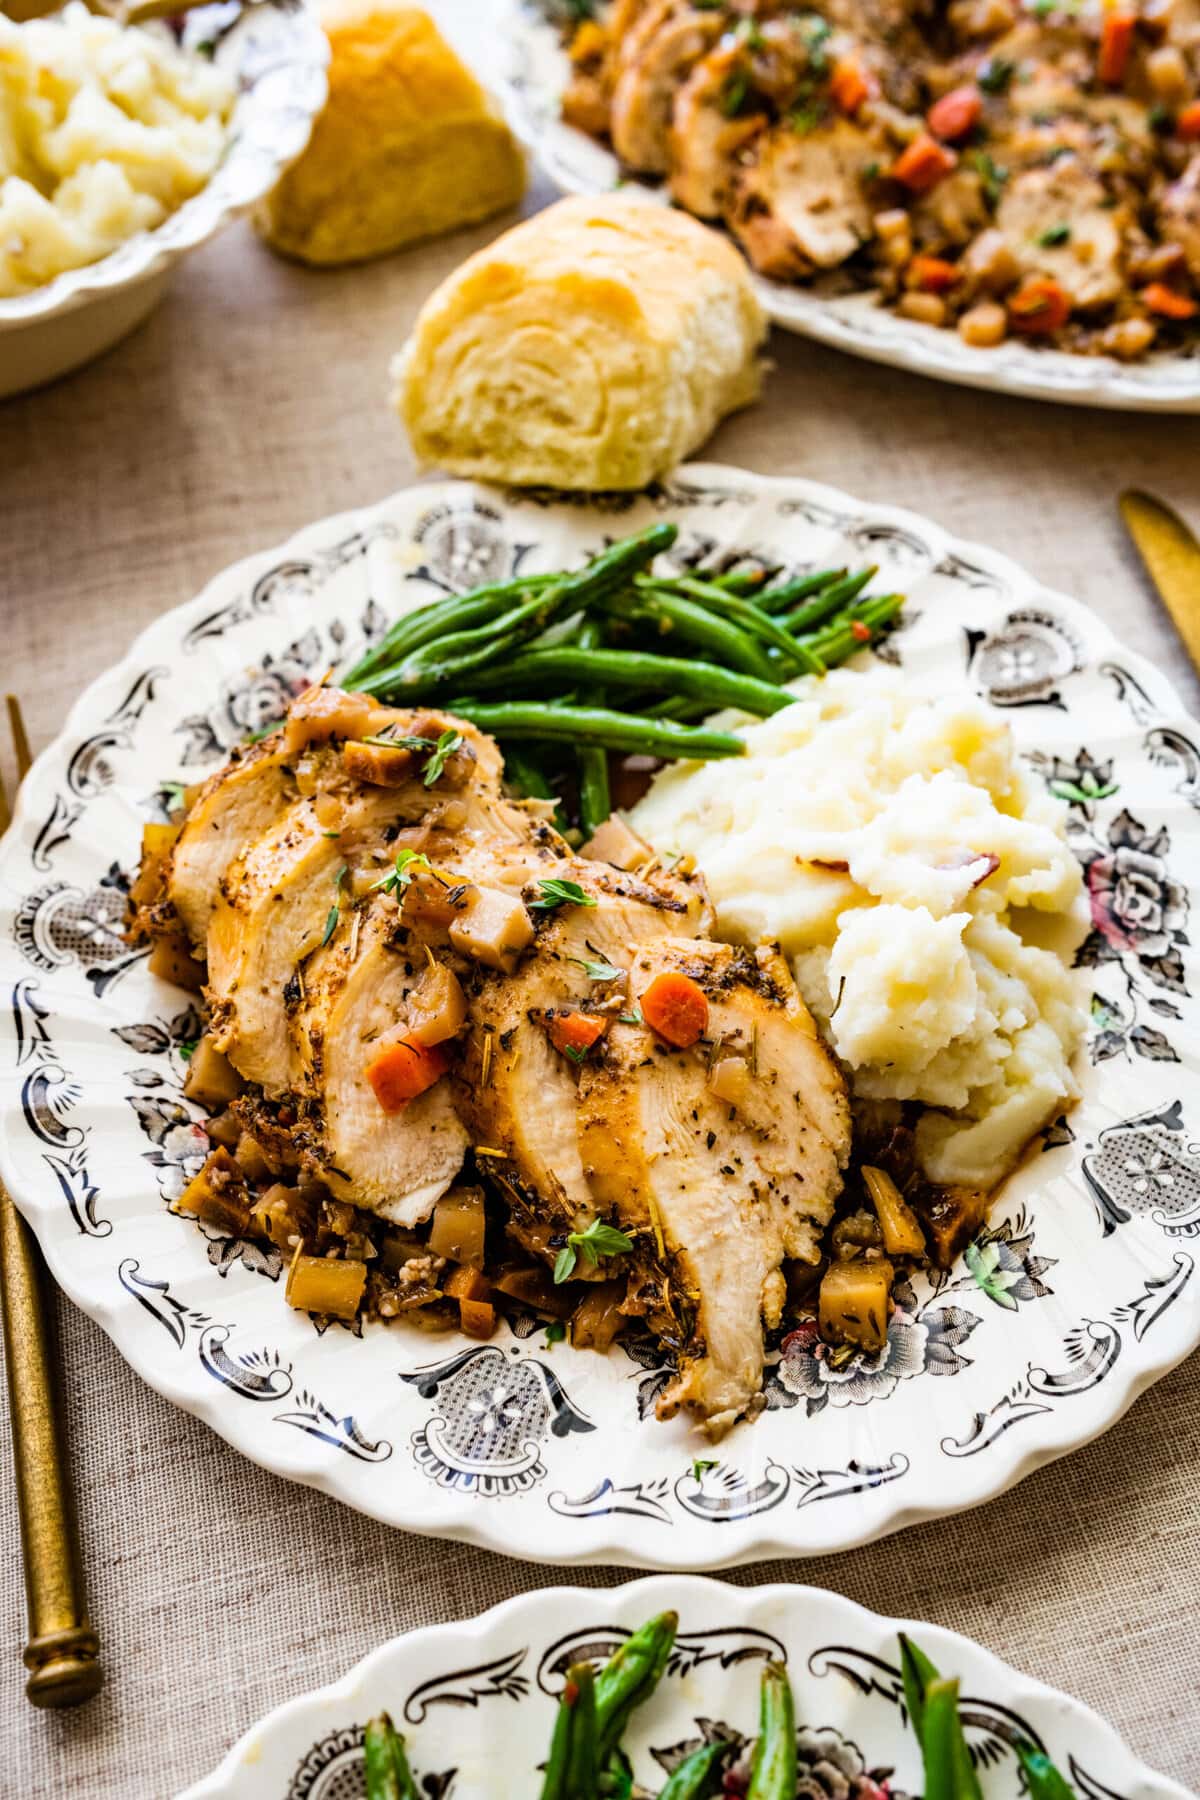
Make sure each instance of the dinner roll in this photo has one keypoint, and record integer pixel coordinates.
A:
(593, 346)
(408, 144)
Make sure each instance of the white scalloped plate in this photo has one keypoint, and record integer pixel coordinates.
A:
(532, 69)
(277, 54)
(533, 1449)
(476, 1700)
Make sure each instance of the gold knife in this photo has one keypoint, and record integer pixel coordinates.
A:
(1171, 555)
(63, 1652)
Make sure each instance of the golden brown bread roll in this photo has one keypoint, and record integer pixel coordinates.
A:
(408, 144)
(593, 346)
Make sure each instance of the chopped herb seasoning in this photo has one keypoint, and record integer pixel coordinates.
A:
(187, 1048)
(174, 794)
(335, 911)
(597, 971)
(447, 744)
(701, 1466)
(996, 74)
(992, 175)
(733, 94)
(555, 893)
(399, 877)
(1053, 236)
(598, 1240)
(556, 1331)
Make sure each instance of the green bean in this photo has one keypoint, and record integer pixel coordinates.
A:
(453, 613)
(631, 1676)
(616, 1777)
(789, 593)
(698, 1775)
(670, 613)
(1042, 1779)
(638, 669)
(839, 640)
(916, 1672)
(452, 654)
(773, 1772)
(387, 1772)
(743, 613)
(949, 1772)
(573, 1766)
(596, 725)
(595, 795)
(680, 707)
(814, 612)
(740, 581)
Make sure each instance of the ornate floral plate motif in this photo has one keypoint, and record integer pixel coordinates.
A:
(477, 1700)
(532, 70)
(1079, 1293)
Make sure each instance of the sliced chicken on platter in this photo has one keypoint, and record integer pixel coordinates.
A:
(664, 45)
(799, 204)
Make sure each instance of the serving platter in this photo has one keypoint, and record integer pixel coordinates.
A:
(476, 1700)
(1081, 1293)
(531, 69)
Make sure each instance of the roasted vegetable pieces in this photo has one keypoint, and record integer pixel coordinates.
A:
(586, 1760)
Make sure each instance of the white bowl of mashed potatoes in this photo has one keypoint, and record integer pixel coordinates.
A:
(124, 147)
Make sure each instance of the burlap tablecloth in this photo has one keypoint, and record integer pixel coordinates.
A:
(255, 402)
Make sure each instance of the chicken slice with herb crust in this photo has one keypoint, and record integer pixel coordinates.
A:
(1060, 222)
(800, 205)
(654, 59)
(518, 1091)
(727, 1153)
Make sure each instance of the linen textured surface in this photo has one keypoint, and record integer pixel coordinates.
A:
(252, 403)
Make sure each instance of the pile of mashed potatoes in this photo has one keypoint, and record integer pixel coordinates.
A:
(916, 878)
(104, 131)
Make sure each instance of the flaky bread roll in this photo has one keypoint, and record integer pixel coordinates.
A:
(408, 144)
(594, 346)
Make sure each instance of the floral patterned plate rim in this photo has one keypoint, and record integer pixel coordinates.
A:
(476, 1700)
(278, 55)
(531, 70)
(1078, 1294)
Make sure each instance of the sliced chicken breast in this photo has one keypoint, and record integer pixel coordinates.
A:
(800, 204)
(1036, 207)
(658, 53)
(234, 807)
(731, 1168)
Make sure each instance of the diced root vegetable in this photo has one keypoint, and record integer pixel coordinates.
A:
(617, 843)
(1168, 302)
(211, 1078)
(931, 274)
(171, 960)
(1116, 42)
(437, 1009)
(676, 1008)
(730, 1080)
(1167, 73)
(534, 1288)
(493, 927)
(984, 326)
(1128, 338)
(402, 1068)
(326, 1284)
(218, 1194)
(432, 900)
(855, 1302)
(477, 1318)
(379, 765)
(902, 1234)
(321, 713)
(283, 1215)
(926, 309)
(1187, 123)
(574, 1033)
(951, 1221)
(251, 1159)
(598, 1318)
(923, 163)
(956, 114)
(459, 1227)
(850, 86)
(467, 1284)
(1039, 307)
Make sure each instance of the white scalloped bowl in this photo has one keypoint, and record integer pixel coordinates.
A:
(531, 73)
(476, 1700)
(1084, 1290)
(278, 55)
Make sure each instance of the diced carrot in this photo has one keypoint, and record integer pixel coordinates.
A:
(1187, 122)
(956, 114)
(402, 1069)
(1116, 42)
(676, 1008)
(1168, 302)
(477, 1318)
(467, 1284)
(931, 274)
(850, 85)
(574, 1033)
(1039, 307)
(923, 163)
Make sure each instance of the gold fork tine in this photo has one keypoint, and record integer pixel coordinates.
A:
(62, 1654)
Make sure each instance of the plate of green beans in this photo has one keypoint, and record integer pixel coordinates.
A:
(678, 1688)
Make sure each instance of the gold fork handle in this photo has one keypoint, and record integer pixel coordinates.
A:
(62, 1654)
